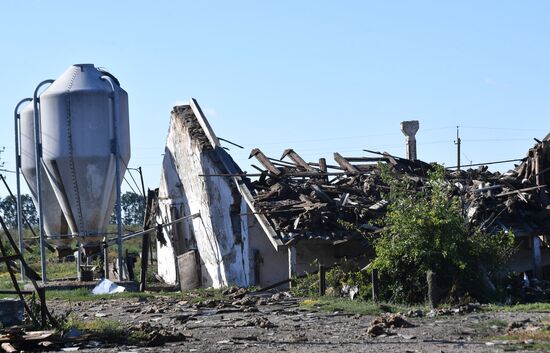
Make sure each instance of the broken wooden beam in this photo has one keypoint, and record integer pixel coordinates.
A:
(264, 161)
(295, 157)
(344, 163)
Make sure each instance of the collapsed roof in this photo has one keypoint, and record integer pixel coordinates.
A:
(294, 200)
(344, 201)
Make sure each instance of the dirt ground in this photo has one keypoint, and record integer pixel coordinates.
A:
(263, 323)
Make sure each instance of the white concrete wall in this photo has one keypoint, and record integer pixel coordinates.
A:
(170, 195)
(308, 253)
(221, 244)
(266, 264)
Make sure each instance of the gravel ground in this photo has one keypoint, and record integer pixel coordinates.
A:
(282, 326)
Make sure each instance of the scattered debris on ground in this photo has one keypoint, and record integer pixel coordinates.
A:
(384, 325)
(245, 321)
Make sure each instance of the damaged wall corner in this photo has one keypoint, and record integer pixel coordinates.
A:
(189, 155)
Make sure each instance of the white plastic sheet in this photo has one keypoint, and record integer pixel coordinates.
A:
(107, 287)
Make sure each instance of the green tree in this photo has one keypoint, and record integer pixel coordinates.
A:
(133, 208)
(426, 230)
(8, 209)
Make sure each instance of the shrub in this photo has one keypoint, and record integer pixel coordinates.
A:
(426, 230)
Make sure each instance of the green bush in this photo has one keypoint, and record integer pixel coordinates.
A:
(347, 272)
(426, 230)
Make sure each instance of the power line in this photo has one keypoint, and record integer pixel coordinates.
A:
(130, 185)
(497, 128)
(488, 163)
(135, 183)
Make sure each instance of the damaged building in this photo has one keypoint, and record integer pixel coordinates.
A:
(227, 229)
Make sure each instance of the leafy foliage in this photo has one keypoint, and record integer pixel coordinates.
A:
(426, 230)
(8, 209)
(347, 272)
(133, 208)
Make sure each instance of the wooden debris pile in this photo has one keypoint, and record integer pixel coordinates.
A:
(16, 339)
(326, 202)
(344, 201)
(518, 200)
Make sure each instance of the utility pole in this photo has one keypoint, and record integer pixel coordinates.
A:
(457, 143)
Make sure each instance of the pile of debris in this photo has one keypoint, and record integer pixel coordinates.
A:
(15, 339)
(384, 325)
(344, 201)
(307, 201)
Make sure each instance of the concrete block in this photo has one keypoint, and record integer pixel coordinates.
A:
(188, 270)
(11, 312)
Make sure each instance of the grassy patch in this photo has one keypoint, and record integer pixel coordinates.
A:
(527, 308)
(490, 327)
(531, 340)
(535, 347)
(360, 307)
(538, 335)
(108, 330)
(85, 294)
(202, 294)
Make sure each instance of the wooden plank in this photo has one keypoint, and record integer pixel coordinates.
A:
(264, 161)
(323, 168)
(366, 159)
(521, 190)
(295, 157)
(8, 348)
(390, 158)
(344, 163)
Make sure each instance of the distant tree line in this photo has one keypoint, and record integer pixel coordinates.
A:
(133, 209)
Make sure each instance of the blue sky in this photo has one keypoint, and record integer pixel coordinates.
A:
(317, 76)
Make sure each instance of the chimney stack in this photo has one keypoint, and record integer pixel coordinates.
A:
(409, 129)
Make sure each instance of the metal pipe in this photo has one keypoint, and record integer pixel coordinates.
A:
(117, 173)
(38, 147)
(151, 230)
(143, 190)
(16, 117)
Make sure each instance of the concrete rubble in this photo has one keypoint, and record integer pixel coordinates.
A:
(213, 322)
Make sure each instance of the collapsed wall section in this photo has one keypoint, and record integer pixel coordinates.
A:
(219, 232)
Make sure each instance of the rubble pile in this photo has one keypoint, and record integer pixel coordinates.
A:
(153, 336)
(384, 324)
(344, 201)
(306, 201)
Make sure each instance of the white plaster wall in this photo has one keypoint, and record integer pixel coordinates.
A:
(273, 265)
(224, 257)
(309, 253)
(170, 192)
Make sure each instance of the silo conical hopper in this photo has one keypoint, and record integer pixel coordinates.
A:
(55, 224)
(77, 141)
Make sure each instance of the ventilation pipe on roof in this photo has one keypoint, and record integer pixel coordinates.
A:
(409, 129)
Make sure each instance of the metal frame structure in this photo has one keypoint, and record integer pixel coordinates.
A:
(38, 146)
(38, 163)
(45, 315)
(17, 116)
(115, 151)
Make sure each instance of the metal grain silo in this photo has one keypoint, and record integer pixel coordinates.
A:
(55, 224)
(78, 141)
